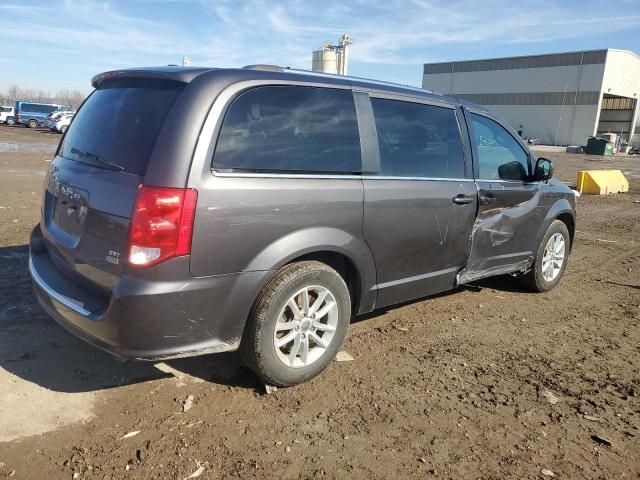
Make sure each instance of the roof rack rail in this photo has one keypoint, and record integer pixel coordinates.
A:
(264, 66)
(277, 68)
(362, 79)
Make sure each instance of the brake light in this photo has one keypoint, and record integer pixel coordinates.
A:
(161, 225)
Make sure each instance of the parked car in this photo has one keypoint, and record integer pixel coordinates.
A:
(7, 116)
(54, 117)
(61, 123)
(33, 114)
(51, 118)
(47, 121)
(190, 211)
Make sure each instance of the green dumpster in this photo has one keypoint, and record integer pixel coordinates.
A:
(599, 146)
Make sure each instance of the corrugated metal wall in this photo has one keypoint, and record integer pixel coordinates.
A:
(516, 63)
(532, 98)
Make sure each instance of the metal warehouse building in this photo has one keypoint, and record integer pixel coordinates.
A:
(560, 98)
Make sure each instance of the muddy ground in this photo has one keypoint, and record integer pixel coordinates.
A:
(456, 386)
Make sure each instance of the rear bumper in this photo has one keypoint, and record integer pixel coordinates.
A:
(149, 318)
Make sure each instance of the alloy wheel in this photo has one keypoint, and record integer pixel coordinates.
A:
(553, 258)
(306, 326)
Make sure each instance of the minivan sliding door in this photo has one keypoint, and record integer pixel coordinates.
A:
(420, 206)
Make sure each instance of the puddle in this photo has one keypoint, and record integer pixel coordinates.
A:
(28, 147)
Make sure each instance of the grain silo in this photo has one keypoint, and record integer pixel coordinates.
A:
(325, 60)
(332, 58)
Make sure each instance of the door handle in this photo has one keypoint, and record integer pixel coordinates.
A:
(487, 198)
(462, 199)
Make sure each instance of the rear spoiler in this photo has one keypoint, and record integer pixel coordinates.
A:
(176, 74)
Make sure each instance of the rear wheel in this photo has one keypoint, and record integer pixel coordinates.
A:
(11, 121)
(32, 123)
(297, 324)
(551, 259)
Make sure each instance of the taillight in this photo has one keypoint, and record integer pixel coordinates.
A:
(161, 225)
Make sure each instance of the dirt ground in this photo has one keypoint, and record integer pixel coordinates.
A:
(463, 385)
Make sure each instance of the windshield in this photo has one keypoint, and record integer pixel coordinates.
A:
(119, 123)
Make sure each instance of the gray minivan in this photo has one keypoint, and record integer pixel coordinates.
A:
(195, 210)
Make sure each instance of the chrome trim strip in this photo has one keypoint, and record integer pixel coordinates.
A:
(284, 175)
(416, 278)
(432, 179)
(332, 177)
(55, 295)
(517, 182)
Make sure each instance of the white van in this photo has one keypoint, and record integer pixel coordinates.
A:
(6, 115)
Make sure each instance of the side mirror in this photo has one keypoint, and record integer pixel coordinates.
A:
(512, 171)
(544, 170)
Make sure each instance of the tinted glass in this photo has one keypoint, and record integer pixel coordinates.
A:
(500, 156)
(37, 108)
(120, 123)
(290, 129)
(417, 140)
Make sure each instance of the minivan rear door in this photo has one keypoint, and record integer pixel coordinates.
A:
(504, 235)
(420, 205)
(91, 186)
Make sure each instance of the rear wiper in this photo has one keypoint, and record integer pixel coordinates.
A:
(97, 158)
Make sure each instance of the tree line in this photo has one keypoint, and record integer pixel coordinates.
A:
(70, 98)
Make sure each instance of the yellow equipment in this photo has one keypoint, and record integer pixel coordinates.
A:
(601, 182)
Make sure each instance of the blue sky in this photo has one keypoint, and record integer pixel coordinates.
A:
(53, 45)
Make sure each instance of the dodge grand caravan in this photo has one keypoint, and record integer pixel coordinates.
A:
(190, 211)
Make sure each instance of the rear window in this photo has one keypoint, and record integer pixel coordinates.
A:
(120, 122)
(290, 129)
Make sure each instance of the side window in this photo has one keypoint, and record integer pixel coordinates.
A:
(417, 140)
(290, 129)
(500, 156)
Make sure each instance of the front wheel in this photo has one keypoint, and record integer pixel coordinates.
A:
(297, 324)
(63, 129)
(551, 258)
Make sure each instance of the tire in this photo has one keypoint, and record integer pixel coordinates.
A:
(546, 274)
(278, 365)
(32, 123)
(63, 129)
(11, 121)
